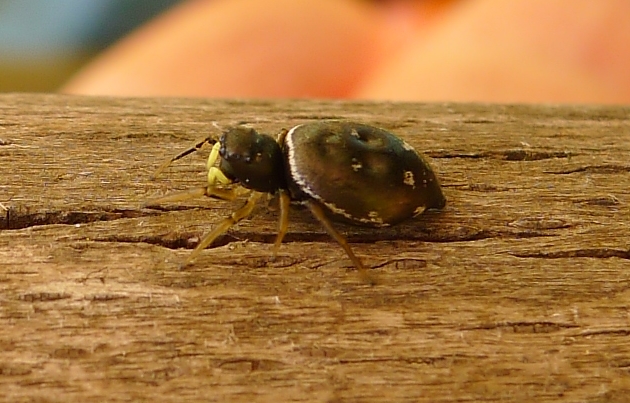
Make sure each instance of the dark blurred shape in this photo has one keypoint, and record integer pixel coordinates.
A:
(43, 42)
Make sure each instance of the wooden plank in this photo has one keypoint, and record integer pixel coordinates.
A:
(517, 291)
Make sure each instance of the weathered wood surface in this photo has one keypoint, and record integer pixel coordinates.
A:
(518, 291)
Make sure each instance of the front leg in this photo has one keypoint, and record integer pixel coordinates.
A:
(194, 193)
(223, 226)
(216, 179)
(196, 147)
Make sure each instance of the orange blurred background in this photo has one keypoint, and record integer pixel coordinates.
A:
(543, 51)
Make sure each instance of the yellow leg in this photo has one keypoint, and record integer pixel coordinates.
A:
(196, 147)
(223, 226)
(194, 193)
(215, 177)
(283, 222)
(283, 133)
(319, 214)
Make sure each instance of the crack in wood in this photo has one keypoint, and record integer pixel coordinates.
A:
(43, 296)
(479, 187)
(404, 263)
(188, 240)
(605, 332)
(594, 169)
(605, 201)
(540, 223)
(600, 253)
(105, 297)
(505, 155)
(437, 360)
(170, 241)
(526, 326)
(15, 220)
(14, 369)
(251, 364)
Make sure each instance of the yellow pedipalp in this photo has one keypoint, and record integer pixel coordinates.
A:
(216, 177)
(214, 155)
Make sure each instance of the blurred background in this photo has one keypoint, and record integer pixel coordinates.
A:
(532, 51)
(43, 42)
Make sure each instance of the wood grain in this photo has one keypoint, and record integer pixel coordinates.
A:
(517, 291)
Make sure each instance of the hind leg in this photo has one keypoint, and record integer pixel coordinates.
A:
(318, 212)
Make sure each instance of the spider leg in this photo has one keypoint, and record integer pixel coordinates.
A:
(318, 212)
(196, 147)
(223, 226)
(194, 193)
(280, 138)
(283, 222)
(215, 177)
